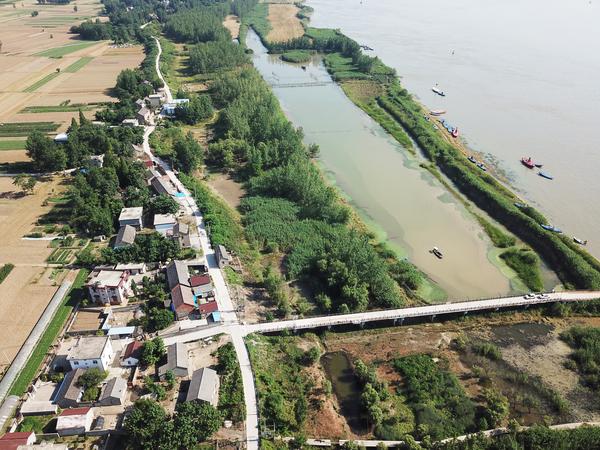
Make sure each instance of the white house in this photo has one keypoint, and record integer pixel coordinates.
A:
(164, 223)
(74, 421)
(131, 355)
(130, 122)
(109, 287)
(131, 216)
(91, 351)
(169, 108)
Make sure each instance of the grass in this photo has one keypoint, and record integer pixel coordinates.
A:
(527, 265)
(38, 84)
(59, 52)
(296, 56)
(54, 327)
(232, 277)
(57, 108)
(12, 145)
(79, 64)
(60, 256)
(5, 271)
(11, 129)
(258, 19)
(35, 423)
(498, 237)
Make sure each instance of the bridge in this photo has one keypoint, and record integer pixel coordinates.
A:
(307, 84)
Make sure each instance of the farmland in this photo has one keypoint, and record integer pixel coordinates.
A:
(59, 52)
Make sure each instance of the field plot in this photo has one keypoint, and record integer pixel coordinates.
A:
(12, 145)
(285, 25)
(59, 52)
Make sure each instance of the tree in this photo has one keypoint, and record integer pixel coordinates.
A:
(198, 108)
(92, 377)
(152, 351)
(148, 427)
(46, 155)
(158, 319)
(497, 407)
(163, 204)
(195, 422)
(25, 182)
(188, 153)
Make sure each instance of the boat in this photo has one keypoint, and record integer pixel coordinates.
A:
(520, 205)
(527, 162)
(473, 160)
(438, 91)
(545, 175)
(580, 241)
(539, 166)
(437, 252)
(303, 67)
(551, 228)
(454, 132)
(437, 112)
(482, 167)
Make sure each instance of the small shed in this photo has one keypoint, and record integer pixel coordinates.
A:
(131, 355)
(224, 258)
(114, 392)
(74, 421)
(131, 216)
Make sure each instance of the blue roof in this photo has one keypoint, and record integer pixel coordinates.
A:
(180, 194)
(120, 330)
(216, 316)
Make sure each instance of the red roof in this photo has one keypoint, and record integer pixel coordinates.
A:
(75, 412)
(183, 298)
(199, 280)
(207, 308)
(148, 163)
(11, 441)
(132, 348)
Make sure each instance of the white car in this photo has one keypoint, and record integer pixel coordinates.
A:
(529, 296)
(543, 296)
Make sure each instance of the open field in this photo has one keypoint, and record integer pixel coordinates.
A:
(232, 23)
(284, 23)
(34, 48)
(12, 145)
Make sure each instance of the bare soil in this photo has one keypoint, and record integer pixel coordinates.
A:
(232, 23)
(228, 189)
(284, 23)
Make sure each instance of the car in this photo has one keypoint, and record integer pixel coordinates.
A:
(529, 296)
(542, 296)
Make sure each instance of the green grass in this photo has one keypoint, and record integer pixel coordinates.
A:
(296, 56)
(258, 19)
(12, 145)
(498, 237)
(60, 256)
(5, 271)
(38, 84)
(59, 52)
(57, 108)
(33, 364)
(527, 265)
(24, 128)
(232, 277)
(79, 64)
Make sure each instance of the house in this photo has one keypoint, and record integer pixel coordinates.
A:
(130, 123)
(214, 317)
(202, 286)
(144, 116)
(207, 306)
(131, 355)
(69, 393)
(177, 361)
(181, 232)
(132, 268)
(161, 184)
(168, 109)
(12, 441)
(61, 138)
(177, 273)
(155, 100)
(74, 421)
(164, 223)
(109, 287)
(224, 258)
(113, 392)
(125, 236)
(96, 160)
(183, 301)
(132, 216)
(91, 351)
(204, 387)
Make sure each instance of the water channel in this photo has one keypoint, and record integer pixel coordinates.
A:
(404, 203)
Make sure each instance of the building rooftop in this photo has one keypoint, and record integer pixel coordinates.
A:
(131, 266)
(115, 387)
(199, 280)
(181, 228)
(204, 386)
(223, 252)
(183, 297)
(164, 219)
(88, 347)
(12, 441)
(69, 390)
(177, 357)
(109, 278)
(132, 349)
(126, 236)
(143, 111)
(131, 213)
(177, 273)
(75, 412)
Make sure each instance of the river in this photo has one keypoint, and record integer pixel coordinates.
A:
(521, 78)
(383, 181)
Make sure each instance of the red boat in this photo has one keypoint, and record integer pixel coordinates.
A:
(528, 162)
(455, 132)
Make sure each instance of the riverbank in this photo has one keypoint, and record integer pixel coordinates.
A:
(346, 61)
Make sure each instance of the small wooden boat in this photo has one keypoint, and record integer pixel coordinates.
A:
(437, 252)
(527, 162)
(438, 91)
(482, 167)
(580, 241)
(551, 228)
(473, 160)
(437, 112)
(546, 175)
(520, 205)
(454, 133)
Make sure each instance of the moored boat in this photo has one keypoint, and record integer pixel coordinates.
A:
(580, 241)
(473, 160)
(551, 228)
(454, 132)
(546, 175)
(482, 166)
(437, 112)
(527, 162)
(538, 165)
(438, 91)
(437, 252)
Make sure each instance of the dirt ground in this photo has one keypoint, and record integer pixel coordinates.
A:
(23, 36)
(232, 23)
(10, 156)
(228, 189)
(284, 23)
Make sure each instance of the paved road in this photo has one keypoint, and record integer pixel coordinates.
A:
(228, 315)
(23, 356)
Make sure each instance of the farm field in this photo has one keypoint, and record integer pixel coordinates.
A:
(285, 25)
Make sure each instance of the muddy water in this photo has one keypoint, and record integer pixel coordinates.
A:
(345, 386)
(384, 182)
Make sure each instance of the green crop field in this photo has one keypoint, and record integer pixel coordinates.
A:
(12, 145)
(79, 64)
(60, 256)
(38, 84)
(74, 107)
(59, 52)
(24, 128)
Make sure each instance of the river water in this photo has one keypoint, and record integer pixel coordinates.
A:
(522, 78)
(384, 182)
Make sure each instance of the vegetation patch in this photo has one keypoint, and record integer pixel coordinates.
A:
(5, 271)
(63, 107)
(38, 84)
(54, 327)
(25, 128)
(527, 265)
(231, 390)
(12, 145)
(60, 256)
(296, 56)
(586, 357)
(79, 64)
(59, 52)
